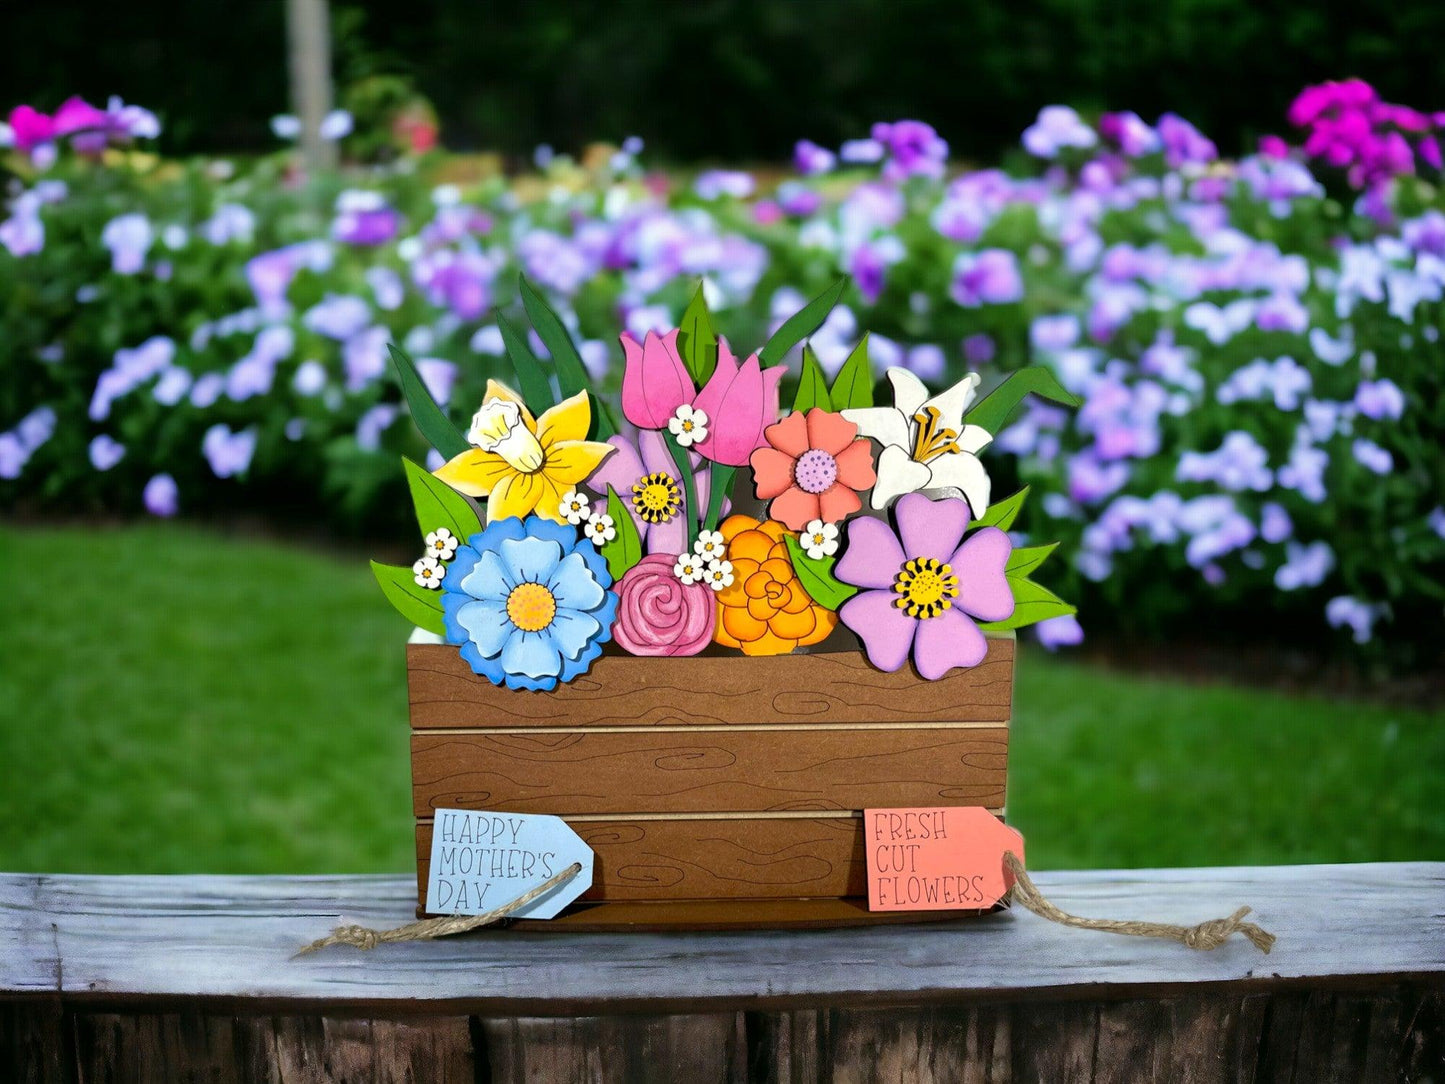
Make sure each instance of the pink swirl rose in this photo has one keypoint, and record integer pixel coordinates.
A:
(657, 614)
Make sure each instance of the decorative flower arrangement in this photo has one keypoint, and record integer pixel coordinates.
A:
(874, 525)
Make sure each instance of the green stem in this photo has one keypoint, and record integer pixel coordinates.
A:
(689, 487)
(722, 482)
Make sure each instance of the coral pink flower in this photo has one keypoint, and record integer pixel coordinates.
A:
(815, 468)
(655, 382)
(740, 401)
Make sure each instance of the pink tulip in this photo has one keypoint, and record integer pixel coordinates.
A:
(30, 128)
(740, 401)
(655, 382)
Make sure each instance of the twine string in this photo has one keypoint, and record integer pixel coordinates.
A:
(429, 929)
(1204, 936)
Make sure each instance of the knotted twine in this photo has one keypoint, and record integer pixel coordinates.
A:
(429, 929)
(1204, 936)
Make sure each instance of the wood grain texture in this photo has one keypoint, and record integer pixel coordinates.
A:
(178, 941)
(619, 690)
(679, 771)
(1394, 1033)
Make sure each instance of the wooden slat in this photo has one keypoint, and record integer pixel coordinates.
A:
(179, 941)
(832, 687)
(677, 771)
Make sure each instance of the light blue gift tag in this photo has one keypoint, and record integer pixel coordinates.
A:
(481, 861)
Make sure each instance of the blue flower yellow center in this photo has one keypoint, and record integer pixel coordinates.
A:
(925, 587)
(656, 498)
(531, 607)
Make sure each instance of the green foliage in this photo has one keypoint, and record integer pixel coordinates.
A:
(995, 409)
(1032, 604)
(1001, 514)
(439, 505)
(532, 382)
(571, 373)
(625, 550)
(801, 324)
(817, 577)
(430, 419)
(696, 340)
(1025, 559)
(853, 387)
(422, 606)
(812, 385)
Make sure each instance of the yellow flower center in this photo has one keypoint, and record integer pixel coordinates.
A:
(932, 439)
(531, 607)
(656, 497)
(925, 587)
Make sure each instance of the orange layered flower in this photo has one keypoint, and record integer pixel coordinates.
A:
(765, 611)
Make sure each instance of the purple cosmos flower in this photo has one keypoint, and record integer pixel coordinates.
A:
(364, 357)
(1274, 523)
(207, 389)
(129, 238)
(1056, 128)
(231, 222)
(310, 378)
(364, 218)
(12, 456)
(1057, 632)
(1051, 333)
(439, 375)
(809, 159)
(1239, 463)
(924, 587)
(1356, 614)
(645, 477)
(926, 361)
(1372, 457)
(715, 183)
(988, 277)
(1305, 566)
(979, 349)
(913, 149)
(1425, 234)
(229, 453)
(1129, 133)
(372, 424)
(860, 152)
(869, 265)
(1305, 472)
(1184, 143)
(105, 452)
(23, 233)
(338, 316)
(161, 496)
(1380, 400)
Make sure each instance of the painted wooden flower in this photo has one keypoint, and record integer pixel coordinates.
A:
(659, 614)
(528, 604)
(520, 464)
(765, 611)
(924, 586)
(646, 479)
(739, 401)
(926, 446)
(814, 467)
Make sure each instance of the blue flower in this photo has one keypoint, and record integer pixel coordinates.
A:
(528, 603)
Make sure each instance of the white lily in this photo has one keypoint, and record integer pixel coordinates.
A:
(926, 446)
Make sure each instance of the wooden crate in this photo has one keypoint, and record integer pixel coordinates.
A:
(715, 791)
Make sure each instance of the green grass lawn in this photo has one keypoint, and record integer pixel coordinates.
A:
(175, 701)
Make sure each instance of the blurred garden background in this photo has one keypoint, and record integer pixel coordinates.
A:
(1221, 225)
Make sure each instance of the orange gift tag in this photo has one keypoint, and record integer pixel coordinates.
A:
(937, 859)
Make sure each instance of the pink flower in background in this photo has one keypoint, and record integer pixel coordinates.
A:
(740, 401)
(30, 128)
(657, 614)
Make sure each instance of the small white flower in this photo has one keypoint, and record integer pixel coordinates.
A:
(820, 539)
(441, 544)
(600, 529)
(688, 425)
(689, 568)
(429, 573)
(710, 545)
(719, 574)
(574, 506)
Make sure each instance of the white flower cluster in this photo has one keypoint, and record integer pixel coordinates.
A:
(706, 563)
(441, 546)
(597, 526)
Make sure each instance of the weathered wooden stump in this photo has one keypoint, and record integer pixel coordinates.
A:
(190, 978)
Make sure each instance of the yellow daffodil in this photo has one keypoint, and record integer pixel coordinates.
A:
(523, 465)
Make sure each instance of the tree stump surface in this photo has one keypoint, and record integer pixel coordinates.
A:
(191, 978)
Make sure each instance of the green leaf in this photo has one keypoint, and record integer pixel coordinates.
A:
(625, 550)
(571, 373)
(1023, 561)
(801, 324)
(813, 385)
(696, 340)
(1032, 604)
(430, 419)
(817, 577)
(439, 505)
(853, 387)
(994, 410)
(531, 377)
(422, 606)
(1003, 513)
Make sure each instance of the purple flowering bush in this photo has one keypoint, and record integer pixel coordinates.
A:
(1256, 340)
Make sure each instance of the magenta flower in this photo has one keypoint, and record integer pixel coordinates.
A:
(30, 128)
(645, 477)
(655, 382)
(925, 586)
(740, 401)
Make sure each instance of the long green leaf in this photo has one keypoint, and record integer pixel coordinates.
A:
(625, 550)
(817, 577)
(571, 373)
(994, 410)
(1003, 513)
(696, 339)
(1023, 561)
(813, 385)
(439, 505)
(853, 386)
(801, 324)
(1032, 604)
(430, 419)
(531, 377)
(422, 606)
